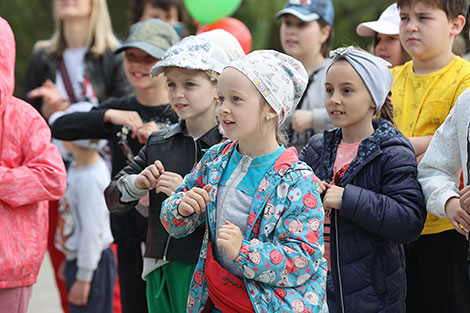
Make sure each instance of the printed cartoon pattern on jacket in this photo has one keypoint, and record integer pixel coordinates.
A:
(282, 254)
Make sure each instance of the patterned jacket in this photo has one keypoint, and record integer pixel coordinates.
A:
(282, 253)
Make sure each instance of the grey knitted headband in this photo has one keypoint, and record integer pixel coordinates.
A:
(373, 71)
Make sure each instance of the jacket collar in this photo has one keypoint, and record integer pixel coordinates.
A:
(368, 149)
(209, 138)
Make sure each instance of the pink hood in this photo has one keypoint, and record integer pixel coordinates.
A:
(7, 64)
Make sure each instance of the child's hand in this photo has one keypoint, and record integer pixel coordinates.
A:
(322, 186)
(457, 216)
(144, 131)
(79, 292)
(302, 120)
(333, 198)
(230, 238)
(61, 271)
(147, 179)
(52, 100)
(168, 182)
(194, 201)
(465, 199)
(124, 118)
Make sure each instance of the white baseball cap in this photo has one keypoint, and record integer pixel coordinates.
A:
(387, 24)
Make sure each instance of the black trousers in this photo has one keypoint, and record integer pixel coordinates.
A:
(438, 274)
(133, 287)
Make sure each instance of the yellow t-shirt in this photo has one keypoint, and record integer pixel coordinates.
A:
(421, 104)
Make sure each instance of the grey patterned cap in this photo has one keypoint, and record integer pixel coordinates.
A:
(193, 53)
(279, 78)
(152, 36)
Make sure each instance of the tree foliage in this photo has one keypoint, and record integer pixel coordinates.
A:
(31, 20)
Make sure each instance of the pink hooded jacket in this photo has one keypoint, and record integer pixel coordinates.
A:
(31, 172)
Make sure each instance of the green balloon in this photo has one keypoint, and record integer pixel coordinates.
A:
(209, 11)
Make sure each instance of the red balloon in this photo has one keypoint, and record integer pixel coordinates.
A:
(233, 26)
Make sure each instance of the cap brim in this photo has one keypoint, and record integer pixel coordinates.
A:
(152, 50)
(370, 28)
(306, 18)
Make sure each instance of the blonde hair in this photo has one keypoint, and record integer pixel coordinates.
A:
(281, 136)
(213, 76)
(100, 33)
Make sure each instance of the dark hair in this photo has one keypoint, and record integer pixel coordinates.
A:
(326, 46)
(453, 8)
(387, 110)
(139, 6)
(404, 55)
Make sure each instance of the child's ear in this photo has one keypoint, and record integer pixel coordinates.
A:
(325, 33)
(456, 25)
(271, 115)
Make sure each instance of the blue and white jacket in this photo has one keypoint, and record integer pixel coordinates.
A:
(281, 257)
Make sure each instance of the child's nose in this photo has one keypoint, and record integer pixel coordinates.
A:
(411, 25)
(178, 92)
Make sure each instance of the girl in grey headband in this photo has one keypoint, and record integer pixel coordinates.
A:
(368, 179)
(373, 71)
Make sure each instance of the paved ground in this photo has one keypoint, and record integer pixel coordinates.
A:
(45, 297)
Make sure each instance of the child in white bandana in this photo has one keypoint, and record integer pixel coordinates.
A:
(263, 246)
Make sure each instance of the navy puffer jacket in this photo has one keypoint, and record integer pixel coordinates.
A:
(383, 207)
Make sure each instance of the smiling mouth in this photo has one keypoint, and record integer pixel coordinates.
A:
(180, 106)
(138, 75)
(337, 113)
(228, 123)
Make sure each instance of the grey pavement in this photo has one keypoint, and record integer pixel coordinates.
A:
(45, 298)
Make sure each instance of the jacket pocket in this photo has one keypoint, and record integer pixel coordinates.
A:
(378, 275)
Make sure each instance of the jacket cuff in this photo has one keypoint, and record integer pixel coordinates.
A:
(436, 204)
(128, 189)
(348, 206)
(84, 274)
(243, 256)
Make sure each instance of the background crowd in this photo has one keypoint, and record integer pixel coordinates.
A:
(137, 112)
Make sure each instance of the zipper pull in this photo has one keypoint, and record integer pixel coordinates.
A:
(245, 163)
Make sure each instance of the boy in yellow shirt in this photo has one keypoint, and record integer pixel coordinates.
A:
(424, 91)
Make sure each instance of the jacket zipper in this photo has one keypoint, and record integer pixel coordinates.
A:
(233, 183)
(167, 245)
(195, 152)
(337, 262)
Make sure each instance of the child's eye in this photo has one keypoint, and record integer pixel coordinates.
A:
(288, 23)
(236, 99)
(190, 84)
(220, 100)
(404, 18)
(347, 90)
(171, 84)
(329, 90)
